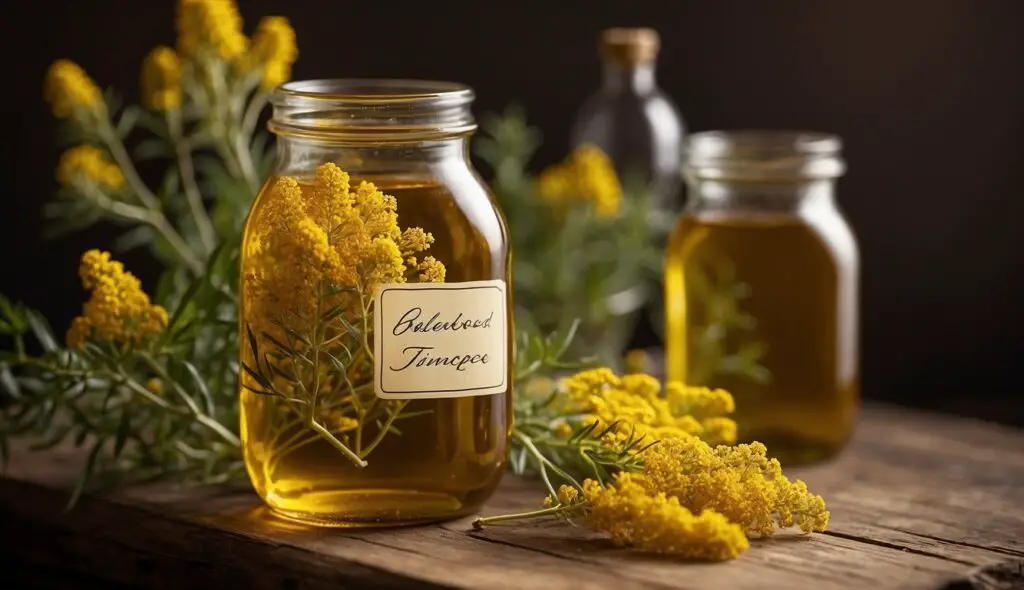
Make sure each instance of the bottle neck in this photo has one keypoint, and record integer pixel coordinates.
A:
(635, 78)
(300, 156)
(707, 196)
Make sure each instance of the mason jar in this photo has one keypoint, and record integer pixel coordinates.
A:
(375, 309)
(761, 288)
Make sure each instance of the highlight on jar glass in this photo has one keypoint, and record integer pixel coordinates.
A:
(375, 309)
(761, 288)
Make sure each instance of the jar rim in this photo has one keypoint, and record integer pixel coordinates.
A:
(764, 154)
(372, 90)
(357, 110)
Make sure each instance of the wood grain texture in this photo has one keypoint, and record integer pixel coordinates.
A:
(917, 501)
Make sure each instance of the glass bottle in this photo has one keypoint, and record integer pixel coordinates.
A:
(376, 383)
(631, 119)
(761, 288)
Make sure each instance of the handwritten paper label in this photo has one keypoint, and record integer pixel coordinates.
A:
(435, 340)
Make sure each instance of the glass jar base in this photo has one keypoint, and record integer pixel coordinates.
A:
(792, 449)
(370, 508)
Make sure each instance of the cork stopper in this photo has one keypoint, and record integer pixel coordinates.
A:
(629, 46)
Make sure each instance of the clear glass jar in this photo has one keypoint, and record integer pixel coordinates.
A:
(373, 393)
(761, 288)
(631, 119)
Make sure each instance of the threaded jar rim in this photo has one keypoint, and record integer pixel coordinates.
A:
(763, 155)
(359, 110)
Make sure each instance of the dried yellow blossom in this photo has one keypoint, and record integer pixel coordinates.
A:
(155, 386)
(161, 80)
(740, 482)
(658, 523)
(635, 403)
(69, 89)
(637, 361)
(273, 51)
(117, 310)
(315, 236)
(210, 26)
(341, 422)
(586, 176)
(86, 163)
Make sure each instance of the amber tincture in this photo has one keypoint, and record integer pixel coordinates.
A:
(761, 291)
(375, 320)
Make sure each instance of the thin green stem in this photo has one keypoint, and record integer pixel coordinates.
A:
(383, 431)
(552, 511)
(186, 169)
(312, 423)
(156, 218)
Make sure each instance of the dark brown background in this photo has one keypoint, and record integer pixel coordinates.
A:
(928, 96)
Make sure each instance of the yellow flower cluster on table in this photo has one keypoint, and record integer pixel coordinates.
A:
(89, 164)
(161, 79)
(683, 496)
(659, 523)
(69, 90)
(587, 176)
(118, 310)
(310, 236)
(639, 407)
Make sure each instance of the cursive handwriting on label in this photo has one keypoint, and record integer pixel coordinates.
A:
(440, 340)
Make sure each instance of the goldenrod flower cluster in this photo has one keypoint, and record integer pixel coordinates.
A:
(637, 403)
(161, 79)
(740, 482)
(325, 243)
(69, 89)
(210, 26)
(587, 176)
(86, 163)
(118, 309)
(660, 523)
(273, 51)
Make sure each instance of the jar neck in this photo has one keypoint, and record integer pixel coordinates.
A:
(634, 78)
(300, 156)
(716, 196)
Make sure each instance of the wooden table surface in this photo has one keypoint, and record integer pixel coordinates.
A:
(917, 501)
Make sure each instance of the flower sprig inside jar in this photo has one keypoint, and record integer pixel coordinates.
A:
(315, 253)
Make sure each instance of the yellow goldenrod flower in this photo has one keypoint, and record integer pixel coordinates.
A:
(635, 404)
(658, 523)
(161, 80)
(90, 164)
(324, 232)
(118, 310)
(210, 26)
(69, 89)
(740, 482)
(587, 176)
(155, 386)
(273, 51)
(637, 361)
(86, 163)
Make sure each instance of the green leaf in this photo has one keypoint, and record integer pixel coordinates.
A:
(8, 382)
(122, 432)
(183, 303)
(127, 121)
(84, 475)
(201, 385)
(53, 440)
(257, 376)
(136, 237)
(149, 149)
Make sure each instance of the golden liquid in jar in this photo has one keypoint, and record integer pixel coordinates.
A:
(798, 283)
(447, 459)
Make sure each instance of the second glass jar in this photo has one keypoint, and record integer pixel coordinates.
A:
(761, 288)
(375, 312)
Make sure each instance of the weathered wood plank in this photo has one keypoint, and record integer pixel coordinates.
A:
(917, 501)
